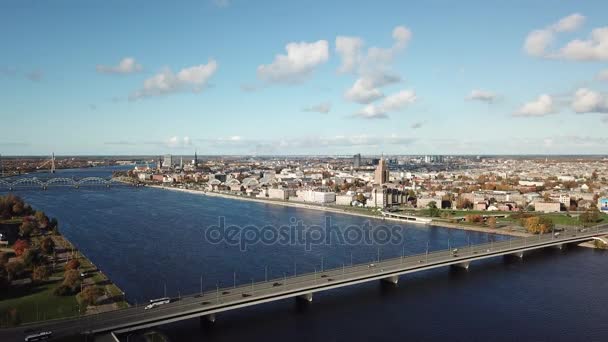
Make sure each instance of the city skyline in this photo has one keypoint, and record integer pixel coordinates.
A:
(317, 79)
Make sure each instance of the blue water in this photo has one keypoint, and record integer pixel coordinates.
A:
(147, 239)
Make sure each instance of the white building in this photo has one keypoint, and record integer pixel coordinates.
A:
(280, 194)
(315, 196)
(344, 199)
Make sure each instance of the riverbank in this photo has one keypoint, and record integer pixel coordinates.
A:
(43, 276)
(346, 211)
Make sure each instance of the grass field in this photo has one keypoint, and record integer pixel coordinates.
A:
(36, 302)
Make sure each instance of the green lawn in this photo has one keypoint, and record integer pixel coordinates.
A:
(564, 220)
(36, 302)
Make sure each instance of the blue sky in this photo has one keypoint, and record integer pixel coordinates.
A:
(145, 77)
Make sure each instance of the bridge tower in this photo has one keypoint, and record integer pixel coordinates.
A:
(53, 162)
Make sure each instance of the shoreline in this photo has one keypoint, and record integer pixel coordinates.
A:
(342, 211)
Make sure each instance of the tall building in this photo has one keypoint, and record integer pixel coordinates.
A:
(357, 160)
(167, 162)
(381, 173)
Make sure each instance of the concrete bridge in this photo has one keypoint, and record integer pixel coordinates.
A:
(206, 305)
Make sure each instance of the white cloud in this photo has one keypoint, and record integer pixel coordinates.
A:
(177, 142)
(481, 95)
(593, 49)
(127, 65)
(367, 88)
(570, 23)
(589, 101)
(538, 41)
(540, 107)
(324, 108)
(319, 143)
(349, 49)
(602, 75)
(194, 79)
(301, 59)
(363, 91)
(373, 67)
(391, 103)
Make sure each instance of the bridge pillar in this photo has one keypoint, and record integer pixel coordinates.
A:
(391, 280)
(208, 318)
(305, 297)
(463, 265)
(518, 255)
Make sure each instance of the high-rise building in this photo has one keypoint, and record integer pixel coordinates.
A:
(381, 173)
(357, 160)
(167, 162)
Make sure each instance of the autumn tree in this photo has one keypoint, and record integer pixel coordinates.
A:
(72, 264)
(361, 198)
(71, 279)
(33, 257)
(47, 245)
(26, 229)
(42, 219)
(472, 218)
(538, 224)
(90, 294)
(20, 246)
(41, 273)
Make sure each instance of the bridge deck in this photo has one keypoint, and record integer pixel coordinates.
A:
(219, 300)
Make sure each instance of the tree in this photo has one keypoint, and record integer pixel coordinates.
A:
(42, 219)
(26, 229)
(71, 279)
(33, 257)
(90, 294)
(491, 222)
(472, 218)
(47, 245)
(53, 224)
(20, 246)
(41, 273)
(18, 208)
(538, 224)
(433, 210)
(589, 217)
(464, 203)
(72, 265)
(14, 268)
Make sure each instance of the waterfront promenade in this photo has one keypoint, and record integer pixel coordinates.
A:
(345, 211)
